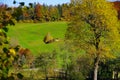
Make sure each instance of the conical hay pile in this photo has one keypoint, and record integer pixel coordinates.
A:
(48, 38)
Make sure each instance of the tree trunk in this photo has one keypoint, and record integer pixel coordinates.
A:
(46, 76)
(96, 67)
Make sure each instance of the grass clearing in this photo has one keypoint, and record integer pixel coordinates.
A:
(30, 35)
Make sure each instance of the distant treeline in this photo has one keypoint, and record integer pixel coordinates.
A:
(35, 12)
(40, 13)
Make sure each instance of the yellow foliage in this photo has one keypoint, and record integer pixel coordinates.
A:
(95, 24)
(12, 52)
(109, 55)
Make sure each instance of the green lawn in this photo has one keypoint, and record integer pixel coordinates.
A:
(30, 35)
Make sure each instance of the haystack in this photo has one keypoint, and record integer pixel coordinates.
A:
(48, 38)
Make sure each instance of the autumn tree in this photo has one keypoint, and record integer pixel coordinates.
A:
(38, 12)
(7, 53)
(66, 11)
(25, 10)
(117, 7)
(53, 12)
(94, 29)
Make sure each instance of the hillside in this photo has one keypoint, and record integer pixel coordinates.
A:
(30, 35)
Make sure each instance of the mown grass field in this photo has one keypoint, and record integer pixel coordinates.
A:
(31, 35)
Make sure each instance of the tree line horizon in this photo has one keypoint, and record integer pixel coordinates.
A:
(36, 12)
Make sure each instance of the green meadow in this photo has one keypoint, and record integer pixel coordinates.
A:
(31, 35)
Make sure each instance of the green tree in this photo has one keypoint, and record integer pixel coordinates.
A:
(59, 10)
(110, 69)
(46, 12)
(53, 12)
(94, 29)
(74, 64)
(17, 14)
(31, 11)
(45, 61)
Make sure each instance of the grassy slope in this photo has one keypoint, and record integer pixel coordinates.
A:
(30, 35)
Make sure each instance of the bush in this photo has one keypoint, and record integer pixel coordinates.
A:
(76, 76)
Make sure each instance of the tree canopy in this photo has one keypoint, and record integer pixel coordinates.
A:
(94, 28)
